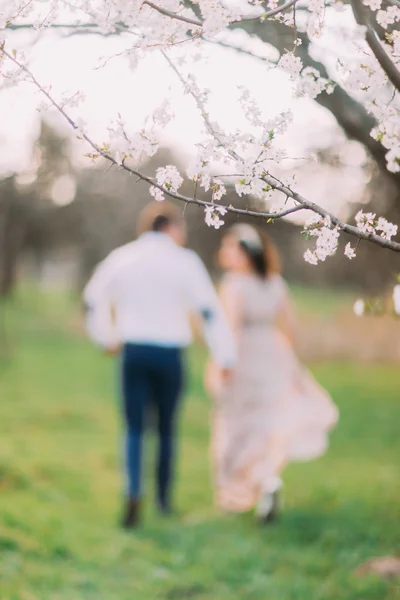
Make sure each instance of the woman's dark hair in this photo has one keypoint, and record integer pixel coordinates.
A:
(259, 248)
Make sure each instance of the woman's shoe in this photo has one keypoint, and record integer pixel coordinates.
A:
(131, 515)
(268, 506)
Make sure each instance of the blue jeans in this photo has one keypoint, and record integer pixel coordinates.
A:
(151, 374)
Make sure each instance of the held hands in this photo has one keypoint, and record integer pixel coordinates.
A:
(113, 350)
(215, 378)
(225, 374)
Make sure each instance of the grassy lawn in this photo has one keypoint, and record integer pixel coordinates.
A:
(60, 487)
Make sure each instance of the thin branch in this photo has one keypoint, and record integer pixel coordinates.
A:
(393, 2)
(275, 11)
(121, 28)
(74, 28)
(21, 10)
(301, 202)
(238, 49)
(172, 15)
(350, 229)
(374, 43)
(245, 19)
(16, 26)
(128, 50)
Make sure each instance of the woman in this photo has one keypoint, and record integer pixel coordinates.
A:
(270, 411)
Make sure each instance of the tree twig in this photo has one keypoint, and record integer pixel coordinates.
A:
(245, 19)
(120, 27)
(374, 43)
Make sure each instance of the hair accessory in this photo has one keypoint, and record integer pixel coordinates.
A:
(249, 236)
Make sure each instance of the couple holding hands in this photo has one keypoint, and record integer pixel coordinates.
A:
(268, 409)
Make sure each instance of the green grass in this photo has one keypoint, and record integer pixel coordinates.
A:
(60, 487)
(322, 302)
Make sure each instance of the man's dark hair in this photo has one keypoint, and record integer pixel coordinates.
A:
(157, 216)
(160, 223)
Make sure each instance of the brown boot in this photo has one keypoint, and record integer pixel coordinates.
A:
(131, 515)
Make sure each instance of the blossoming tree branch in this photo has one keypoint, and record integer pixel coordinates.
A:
(247, 159)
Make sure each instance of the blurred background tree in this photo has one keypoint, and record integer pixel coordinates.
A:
(59, 214)
(56, 219)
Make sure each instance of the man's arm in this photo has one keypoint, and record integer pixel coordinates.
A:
(205, 302)
(98, 306)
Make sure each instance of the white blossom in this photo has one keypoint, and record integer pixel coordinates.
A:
(290, 64)
(327, 243)
(200, 174)
(219, 190)
(250, 107)
(373, 4)
(359, 307)
(213, 216)
(280, 123)
(315, 223)
(388, 17)
(365, 221)
(338, 6)
(387, 230)
(396, 39)
(217, 16)
(396, 299)
(310, 257)
(163, 114)
(242, 186)
(393, 160)
(349, 251)
(169, 178)
(326, 238)
(316, 6)
(73, 101)
(157, 193)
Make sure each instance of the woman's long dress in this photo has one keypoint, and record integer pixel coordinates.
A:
(271, 411)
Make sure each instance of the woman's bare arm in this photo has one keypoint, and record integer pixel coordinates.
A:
(285, 319)
(231, 305)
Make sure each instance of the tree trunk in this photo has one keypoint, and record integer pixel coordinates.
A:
(12, 227)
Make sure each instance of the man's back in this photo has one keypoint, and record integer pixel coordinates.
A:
(153, 284)
(152, 290)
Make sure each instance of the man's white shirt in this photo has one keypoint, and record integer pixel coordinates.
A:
(153, 286)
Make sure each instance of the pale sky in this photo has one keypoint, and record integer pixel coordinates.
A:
(70, 64)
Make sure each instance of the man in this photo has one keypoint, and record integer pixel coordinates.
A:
(141, 298)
